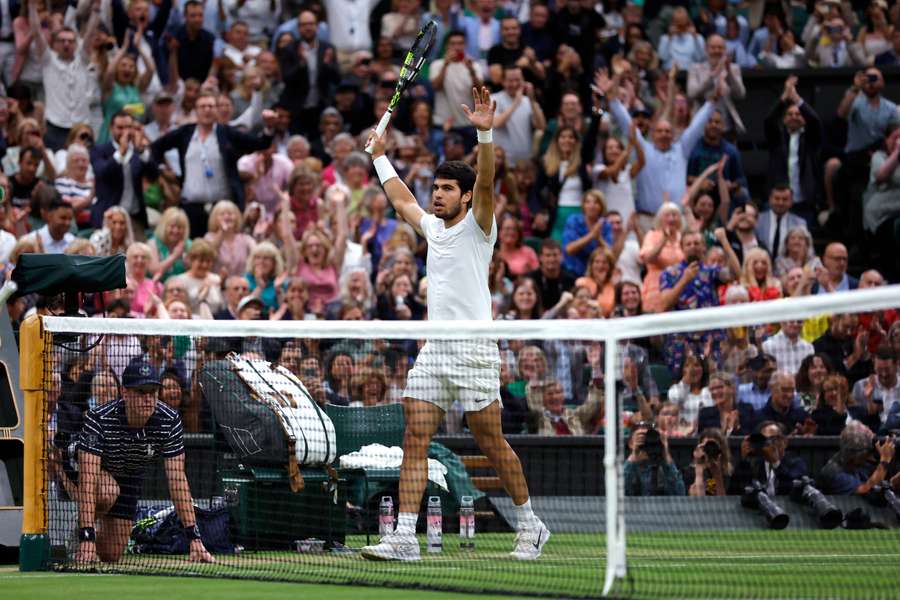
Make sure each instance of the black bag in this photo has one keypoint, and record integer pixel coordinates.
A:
(252, 431)
(161, 532)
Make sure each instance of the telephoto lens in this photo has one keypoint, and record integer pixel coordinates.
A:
(803, 491)
(755, 496)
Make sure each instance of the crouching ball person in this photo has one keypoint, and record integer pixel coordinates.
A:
(118, 442)
(461, 234)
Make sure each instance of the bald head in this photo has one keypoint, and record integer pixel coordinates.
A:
(715, 48)
(835, 260)
(871, 278)
(662, 135)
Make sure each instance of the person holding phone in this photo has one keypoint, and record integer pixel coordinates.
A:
(692, 284)
(453, 78)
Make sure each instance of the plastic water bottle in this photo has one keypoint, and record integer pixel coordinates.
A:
(386, 516)
(435, 526)
(467, 524)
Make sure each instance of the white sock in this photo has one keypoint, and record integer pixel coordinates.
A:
(524, 515)
(406, 523)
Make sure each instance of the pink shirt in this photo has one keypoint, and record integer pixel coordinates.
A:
(520, 260)
(142, 291)
(322, 283)
(232, 255)
(264, 185)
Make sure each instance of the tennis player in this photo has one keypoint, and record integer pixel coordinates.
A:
(118, 441)
(461, 234)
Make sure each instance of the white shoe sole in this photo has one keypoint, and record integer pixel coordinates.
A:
(544, 536)
(369, 553)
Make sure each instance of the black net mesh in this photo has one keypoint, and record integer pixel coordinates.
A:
(754, 463)
(292, 457)
(751, 463)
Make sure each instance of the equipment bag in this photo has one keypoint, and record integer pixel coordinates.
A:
(267, 415)
(158, 530)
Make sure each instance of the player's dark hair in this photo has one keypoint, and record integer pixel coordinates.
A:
(459, 171)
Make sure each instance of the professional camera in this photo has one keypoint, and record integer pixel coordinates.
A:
(757, 441)
(712, 449)
(804, 491)
(883, 495)
(653, 445)
(755, 497)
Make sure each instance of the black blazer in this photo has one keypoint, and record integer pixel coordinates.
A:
(709, 417)
(295, 75)
(790, 468)
(110, 181)
(233, 144)
(778, 140)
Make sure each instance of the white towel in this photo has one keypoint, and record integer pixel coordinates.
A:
(376, 456)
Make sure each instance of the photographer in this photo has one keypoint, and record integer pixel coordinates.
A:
(711, 470)
(764, 457)
(861, 463)
(649, 470)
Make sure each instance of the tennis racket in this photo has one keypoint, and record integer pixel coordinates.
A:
(413, 62)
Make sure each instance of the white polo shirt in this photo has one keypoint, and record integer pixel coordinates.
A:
(457, 267)
(67, 86)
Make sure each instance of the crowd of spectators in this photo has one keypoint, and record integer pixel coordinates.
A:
(218, 146)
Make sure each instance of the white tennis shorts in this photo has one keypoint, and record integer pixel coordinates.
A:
(449, 370)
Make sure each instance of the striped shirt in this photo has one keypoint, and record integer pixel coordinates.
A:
(128, 450)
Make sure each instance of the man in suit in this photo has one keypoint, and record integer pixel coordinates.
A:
(794, 136)
(309, 69)
(119, 168)
(208, 153)
(773, 224)
(764, 457)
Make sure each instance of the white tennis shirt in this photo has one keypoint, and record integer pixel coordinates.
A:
(457, 266)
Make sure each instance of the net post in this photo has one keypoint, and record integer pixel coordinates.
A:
(615, 528)
(34, 545)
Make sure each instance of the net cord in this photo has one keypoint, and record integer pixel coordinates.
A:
(718, 317)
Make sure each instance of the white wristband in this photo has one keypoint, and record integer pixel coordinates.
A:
(384, 169)
(486, 137)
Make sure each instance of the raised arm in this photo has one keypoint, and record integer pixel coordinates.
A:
(482, 118)
(34, 23)
(90, 30)
(403, 201)
(144, 80)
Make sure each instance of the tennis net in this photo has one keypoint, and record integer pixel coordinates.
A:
(290, 435)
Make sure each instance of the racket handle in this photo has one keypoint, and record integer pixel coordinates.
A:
(380, 128)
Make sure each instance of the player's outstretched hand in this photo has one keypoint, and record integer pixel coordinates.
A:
(199, 553)
(376, 143)
(483, 115)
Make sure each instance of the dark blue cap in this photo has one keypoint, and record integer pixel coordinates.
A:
(139, 373)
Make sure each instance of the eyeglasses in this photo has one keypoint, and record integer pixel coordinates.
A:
(86, 137)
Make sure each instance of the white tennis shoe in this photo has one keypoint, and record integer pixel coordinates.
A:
(530, 540)
(393, 546)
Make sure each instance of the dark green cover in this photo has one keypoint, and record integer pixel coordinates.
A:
(52, 274)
